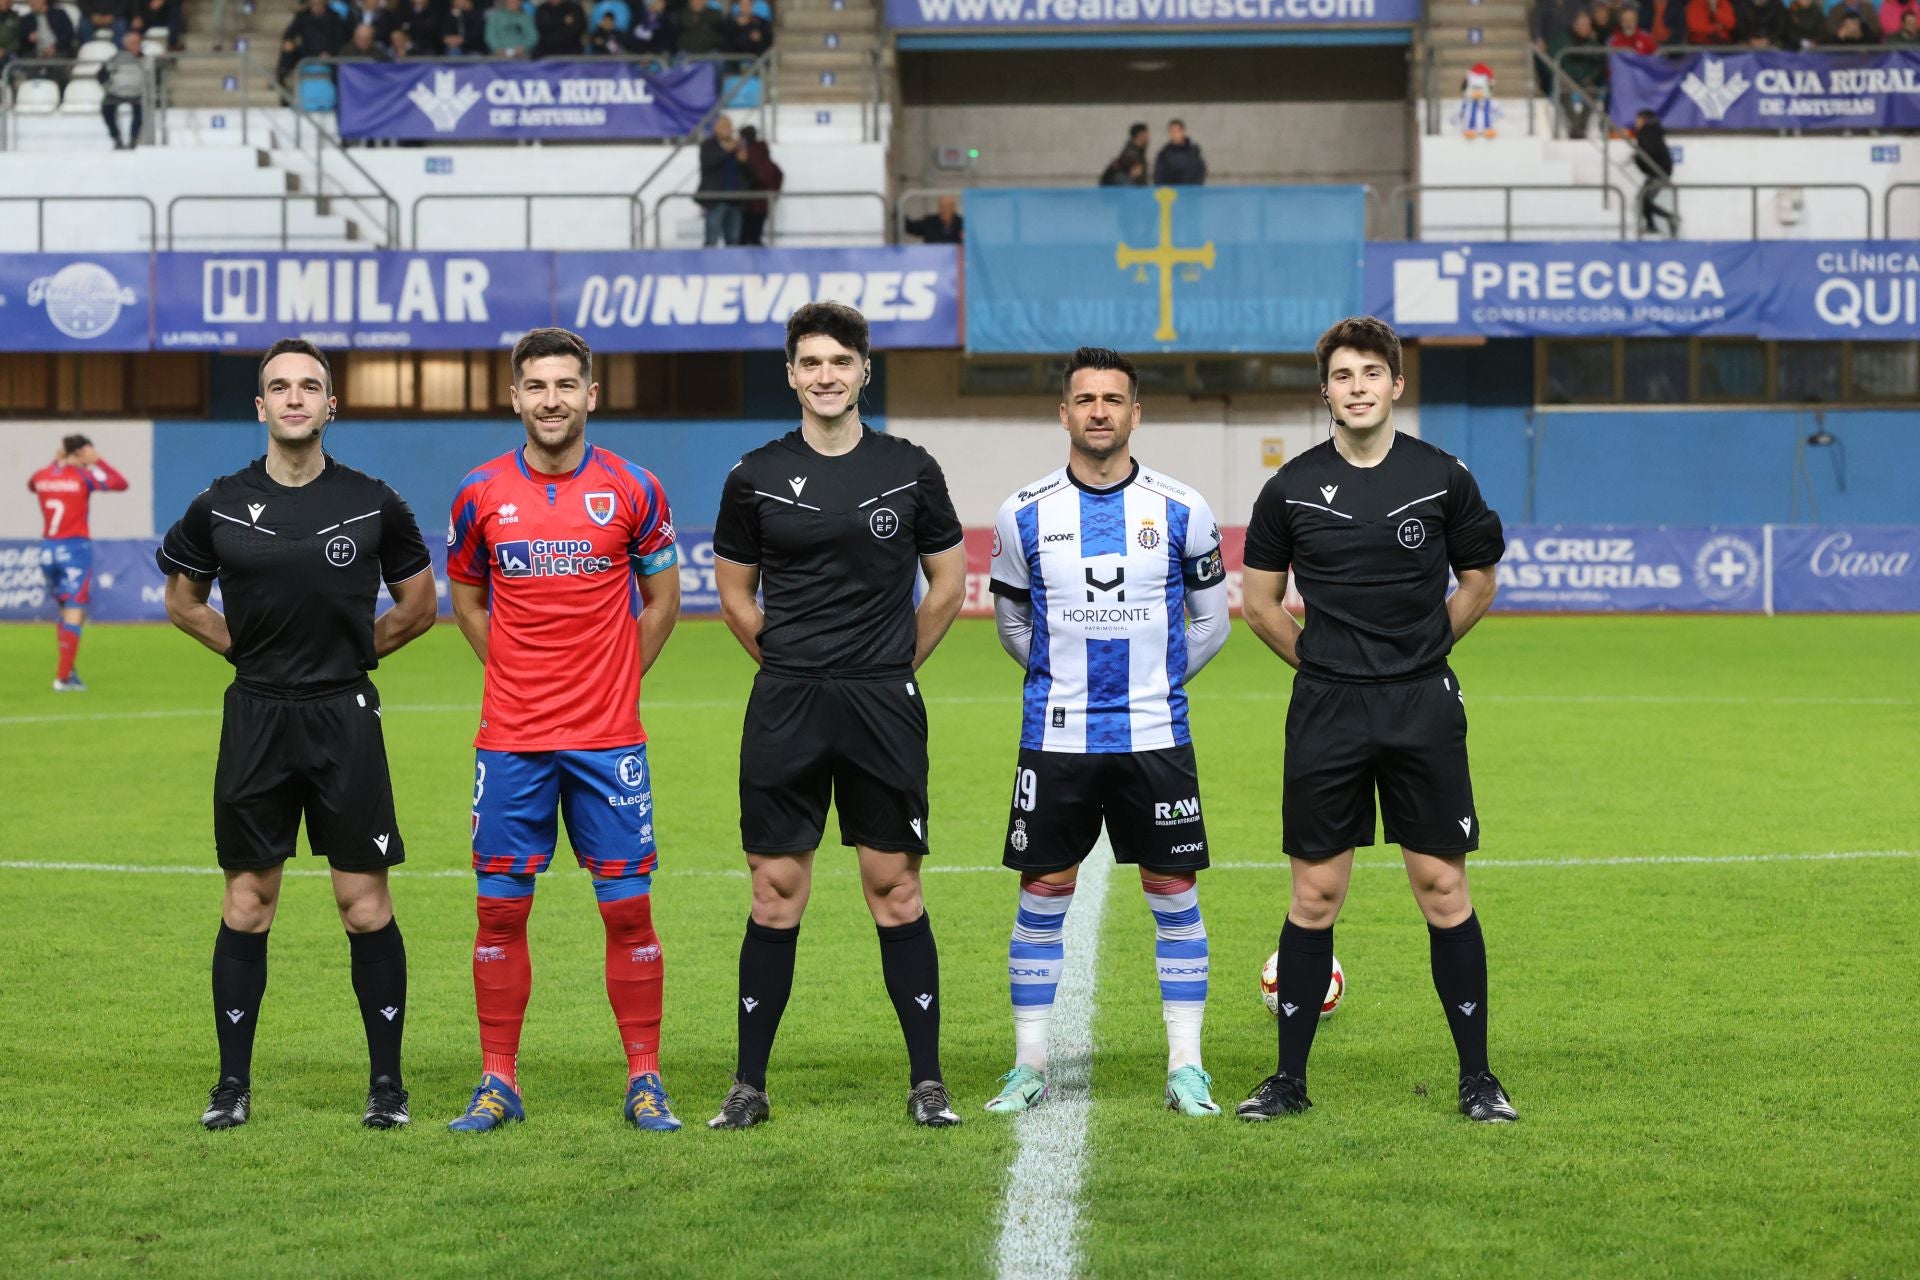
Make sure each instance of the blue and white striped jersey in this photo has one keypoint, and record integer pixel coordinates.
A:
(1106, 573)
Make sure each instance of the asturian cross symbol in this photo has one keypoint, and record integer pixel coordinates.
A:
(1166, 256)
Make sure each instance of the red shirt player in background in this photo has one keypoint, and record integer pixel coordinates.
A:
(554, 550)
(64, 488)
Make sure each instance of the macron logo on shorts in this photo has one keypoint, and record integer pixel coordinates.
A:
(1466, 825)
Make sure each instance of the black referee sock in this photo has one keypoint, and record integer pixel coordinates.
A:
(239, 984)
(766, 980)
(1306, 967)
(380, 981)
(910, 963)
(1459, 958)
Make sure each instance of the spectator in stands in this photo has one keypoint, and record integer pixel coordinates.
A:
(1908, 32)
(607, 39)
(1850, 31)
(365, 45)
(1605, 20)
(562, 27)
(160, 15)
(1711, 22)
(315, 32)
(1585, 84)
(1654, 158)
(1806, 24)
(1138, 139)
(107, 20)
(1860, 11)
(48, 32)
(762, 175)
(1124, 171)
(510, 30)
(367, 13)
(944, 225)
(1892, 12)
(423, 23)
(622, 14)
(124, 79)
(701, 29)
(400, 45)
(748, 35)
(1763, 23)
(10, 37)
(723, 169)
(1630, 37)
(654, 29)
(464, 31)
(1179, 163)
(1551, 21)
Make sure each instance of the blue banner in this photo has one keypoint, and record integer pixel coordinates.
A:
(1161, 269)
(1846, 569)
(68, 302)
(431, 301)
(1774, 289)
(466, 99)
(1769, 90)
(729, 299)
(1158, 15)
(1633, 569)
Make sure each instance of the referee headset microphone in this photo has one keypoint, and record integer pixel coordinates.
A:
(1333, 417)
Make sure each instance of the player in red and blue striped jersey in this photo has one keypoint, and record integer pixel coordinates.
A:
(565, 582)
(65, 487)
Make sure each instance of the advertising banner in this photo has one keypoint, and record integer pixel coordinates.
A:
(1632, 569)
(732, 299)
(429, 301)
(466, 99)
(1783, 290)
(68, 302)
(1007, 16)
(1850, 569)
(1769, 90)
(1259, 269)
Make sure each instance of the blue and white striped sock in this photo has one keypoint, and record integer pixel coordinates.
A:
(1180, 948)
(1035, 957)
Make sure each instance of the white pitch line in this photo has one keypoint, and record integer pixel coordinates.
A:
(1041, 1215)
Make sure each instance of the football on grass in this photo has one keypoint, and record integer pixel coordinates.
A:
(1270, 987)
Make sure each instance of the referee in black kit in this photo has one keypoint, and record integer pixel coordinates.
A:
(1369, 522)
(830, 522)
(300, 545)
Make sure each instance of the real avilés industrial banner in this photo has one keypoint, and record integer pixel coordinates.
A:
(1017, 15)
(1769, 90)
(697, 300)
(1832, 289)
(453, 99)
(1161, 269)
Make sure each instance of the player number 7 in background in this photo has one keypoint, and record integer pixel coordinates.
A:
(59, 510)
(1025, 784)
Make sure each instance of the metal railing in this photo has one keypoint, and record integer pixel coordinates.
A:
(1753, 189)
(1417, 228)
(170, 65)
(40, 204)
(773, 199)
(765, 69)
(636, 225)
(913, 194)
(1886, 206)
(286, 201)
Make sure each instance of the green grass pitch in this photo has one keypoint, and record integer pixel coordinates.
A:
(1715, 1060)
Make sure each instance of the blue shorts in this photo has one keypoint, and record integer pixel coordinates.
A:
(605, 794)
(68, 566)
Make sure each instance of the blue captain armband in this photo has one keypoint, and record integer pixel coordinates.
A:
(664, 558)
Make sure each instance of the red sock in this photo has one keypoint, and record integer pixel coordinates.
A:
(502, 981)
(634, 980)
(69, 649)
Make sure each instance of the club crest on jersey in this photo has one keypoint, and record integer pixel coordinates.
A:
(599, 507)
(1149, 537)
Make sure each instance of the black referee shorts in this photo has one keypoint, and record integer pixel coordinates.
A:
(1408, 739)
(861, 744)
(1149, 801)
(322, 757)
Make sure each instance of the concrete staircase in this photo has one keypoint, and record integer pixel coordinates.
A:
(200, 79)
(1463, 32)
(827, 51)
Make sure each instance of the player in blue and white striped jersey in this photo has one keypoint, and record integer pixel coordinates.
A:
(1109, 589)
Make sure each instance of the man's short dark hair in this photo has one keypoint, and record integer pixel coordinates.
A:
(1135, 130)
(1099, 358)
(1366, 334)
(538, 344)
(1176, 124)
(73, 443)
(296, 347)
(834, 320)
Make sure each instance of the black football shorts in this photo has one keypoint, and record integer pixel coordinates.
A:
(323, 757)
(1408, 740)
(1149, 801)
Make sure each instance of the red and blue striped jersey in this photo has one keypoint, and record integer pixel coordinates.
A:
(560, 554)
(64, 492)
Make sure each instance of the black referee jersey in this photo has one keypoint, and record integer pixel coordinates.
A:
(837, 541)
(299, 570)
(1369, 549)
